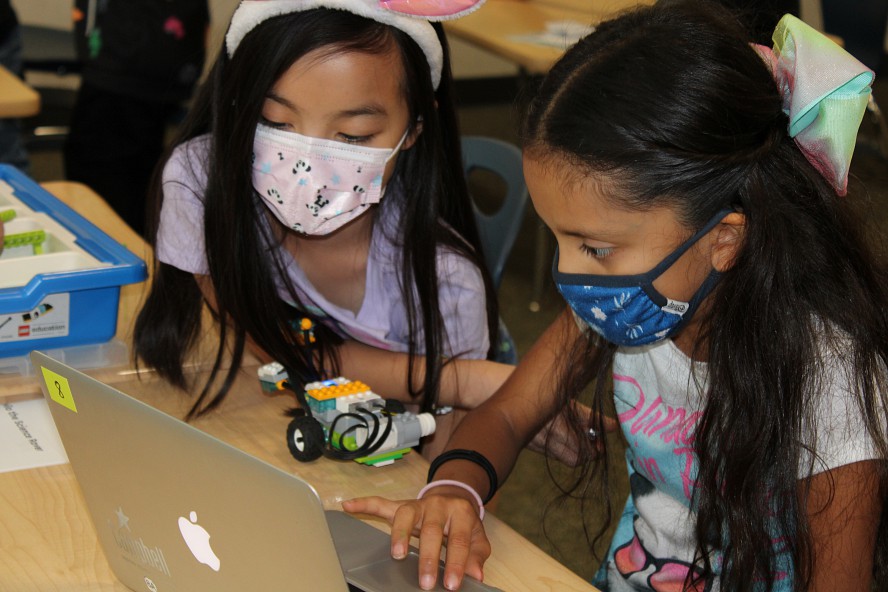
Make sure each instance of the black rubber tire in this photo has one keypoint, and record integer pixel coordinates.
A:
(305, 439)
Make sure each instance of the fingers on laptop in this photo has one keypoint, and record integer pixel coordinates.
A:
(467, 550)
(433, 519)
(402, 528)
(456, 519)
(372, 505)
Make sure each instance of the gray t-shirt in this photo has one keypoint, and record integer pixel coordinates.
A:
(382, 319)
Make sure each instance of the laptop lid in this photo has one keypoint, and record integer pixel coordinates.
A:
(176, 509)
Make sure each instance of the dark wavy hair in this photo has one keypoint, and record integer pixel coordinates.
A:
(434, 202)
(675, 108)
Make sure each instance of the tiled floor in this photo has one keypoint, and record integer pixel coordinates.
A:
(530, 492)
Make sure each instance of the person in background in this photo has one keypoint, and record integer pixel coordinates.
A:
(12, 149)
(141, 62)
(723, 299)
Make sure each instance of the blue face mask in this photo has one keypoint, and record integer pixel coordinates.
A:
(626, 309)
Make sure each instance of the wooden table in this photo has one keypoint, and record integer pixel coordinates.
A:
(494, 26)
(47, 540)
(17, 99)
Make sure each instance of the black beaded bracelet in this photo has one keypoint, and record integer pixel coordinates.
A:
(469, 455)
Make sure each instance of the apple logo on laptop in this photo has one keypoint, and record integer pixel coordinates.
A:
(198, 540)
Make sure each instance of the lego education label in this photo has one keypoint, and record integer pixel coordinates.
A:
(50, 318)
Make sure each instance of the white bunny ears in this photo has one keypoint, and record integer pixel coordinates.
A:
(410, 16)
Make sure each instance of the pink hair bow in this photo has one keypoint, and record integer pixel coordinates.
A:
(825, 92)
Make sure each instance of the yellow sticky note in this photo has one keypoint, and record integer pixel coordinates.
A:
(58, 389)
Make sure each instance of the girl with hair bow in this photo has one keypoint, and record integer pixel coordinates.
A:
(722, 301)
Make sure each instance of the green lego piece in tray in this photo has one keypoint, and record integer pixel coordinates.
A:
(34, 238)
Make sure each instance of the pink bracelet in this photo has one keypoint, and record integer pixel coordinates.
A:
(460, 484)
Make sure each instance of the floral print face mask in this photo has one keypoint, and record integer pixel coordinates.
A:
(626, 309)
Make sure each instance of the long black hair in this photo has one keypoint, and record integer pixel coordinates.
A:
(434, 201)
(676, 109)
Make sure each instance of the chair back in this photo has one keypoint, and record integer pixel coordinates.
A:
(500, 229)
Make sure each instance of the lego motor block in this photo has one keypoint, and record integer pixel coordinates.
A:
(345, 419)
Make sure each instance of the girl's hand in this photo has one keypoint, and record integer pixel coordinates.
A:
(445, 513)
(558, 440)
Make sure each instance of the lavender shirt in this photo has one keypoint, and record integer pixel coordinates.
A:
(382, 319)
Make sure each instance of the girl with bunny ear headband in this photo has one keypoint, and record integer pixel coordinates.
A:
(319, 175)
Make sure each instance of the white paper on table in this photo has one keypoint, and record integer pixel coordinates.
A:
(558, 34)
(28, 436)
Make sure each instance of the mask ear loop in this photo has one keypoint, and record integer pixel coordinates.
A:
(711, 280)
(643, 278)
(683, 248)
(397, 147)
(702, 292)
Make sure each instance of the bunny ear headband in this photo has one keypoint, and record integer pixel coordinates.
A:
(410, 16)
(825, 91)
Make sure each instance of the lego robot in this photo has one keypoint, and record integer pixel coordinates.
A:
(344, 419)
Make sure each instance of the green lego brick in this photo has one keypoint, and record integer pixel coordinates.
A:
(349, 443)
(391, 455)
(34, 238)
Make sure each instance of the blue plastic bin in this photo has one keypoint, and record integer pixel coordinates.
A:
(67, 290)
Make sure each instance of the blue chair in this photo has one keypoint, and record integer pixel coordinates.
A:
(498, 230)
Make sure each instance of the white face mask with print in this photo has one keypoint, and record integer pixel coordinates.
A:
(316, 186)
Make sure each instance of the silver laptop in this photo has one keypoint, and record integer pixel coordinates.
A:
(176, 509)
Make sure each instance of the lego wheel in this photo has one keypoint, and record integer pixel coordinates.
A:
(305, 439)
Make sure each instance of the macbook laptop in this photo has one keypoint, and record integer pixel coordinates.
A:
(176, 509)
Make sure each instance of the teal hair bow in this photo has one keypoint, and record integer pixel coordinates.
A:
(825, 92)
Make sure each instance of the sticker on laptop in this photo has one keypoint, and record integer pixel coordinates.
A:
(134, 548)
(58, 389)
